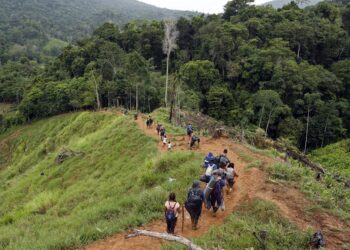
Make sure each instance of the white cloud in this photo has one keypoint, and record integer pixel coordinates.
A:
(205, 6)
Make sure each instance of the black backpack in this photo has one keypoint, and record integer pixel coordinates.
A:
(194, 196)
(170, 214)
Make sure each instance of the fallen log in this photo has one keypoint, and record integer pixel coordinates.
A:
(164, 236)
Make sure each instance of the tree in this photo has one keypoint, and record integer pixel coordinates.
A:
(311, 100)
(233, 7)
(169, 45)
(268, 101)
(137, 69)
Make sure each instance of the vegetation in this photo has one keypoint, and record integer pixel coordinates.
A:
(335, 158)
(283, 70)
(257, 216)
(326, 193)
(45, 205)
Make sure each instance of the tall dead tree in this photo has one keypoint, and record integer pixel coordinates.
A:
(169, 45)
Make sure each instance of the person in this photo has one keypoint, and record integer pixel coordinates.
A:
(170, 146)
(208, 159)
(216, 196)
(136, 115)
(223, 160)
(189, 130)
(230, 176)
(162, 132)
(158, 128)
(208, 172)
(194, 140)
(164, 140)
(149, 122)
(171, 212)
(193, 204)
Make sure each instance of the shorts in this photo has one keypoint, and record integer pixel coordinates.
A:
(189, 133)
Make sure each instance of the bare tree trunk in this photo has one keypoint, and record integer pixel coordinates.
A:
(137, 97)
(324, 132)
(307, 129)
(268, 122)
(261, 115)
(299, 48)
(96, 92)
(167, 79)
(165, 236)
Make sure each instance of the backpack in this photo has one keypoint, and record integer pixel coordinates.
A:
(170, 214)
(223, 161)
(189, 129)
(195, 196)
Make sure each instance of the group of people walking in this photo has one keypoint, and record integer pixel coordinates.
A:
(219, 172)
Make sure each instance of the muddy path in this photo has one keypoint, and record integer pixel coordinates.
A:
(252, 183)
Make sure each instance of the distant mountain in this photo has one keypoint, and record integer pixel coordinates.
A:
(280, 3)
(66, 19)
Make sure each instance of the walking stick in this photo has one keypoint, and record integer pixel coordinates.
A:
(183, 218)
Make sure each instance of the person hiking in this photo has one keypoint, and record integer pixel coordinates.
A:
(158, 128)
(194, 140)
(189, 130)
(208, 172)
(171, 212)
(165, 140)
(223, 160)
(230, 177)
(193, 204)
(149, 122)
(162, 132)
(208, 159)
(216, 196)
(170, 146)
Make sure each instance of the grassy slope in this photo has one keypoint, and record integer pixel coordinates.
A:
(118, 183)
(335, 158)
(257, 216)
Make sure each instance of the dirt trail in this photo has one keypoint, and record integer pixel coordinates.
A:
(251, 183)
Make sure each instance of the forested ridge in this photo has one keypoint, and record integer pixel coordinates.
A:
(286, 71)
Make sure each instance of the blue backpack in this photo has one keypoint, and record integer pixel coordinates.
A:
(170, 214)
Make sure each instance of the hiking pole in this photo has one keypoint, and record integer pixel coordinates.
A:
(183, 218)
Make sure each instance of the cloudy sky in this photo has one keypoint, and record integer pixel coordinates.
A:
(206, 6)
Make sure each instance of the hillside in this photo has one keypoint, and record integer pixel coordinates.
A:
(116, 179)
(280, 3)
(45, 205)
(29, 25)
(335, 158)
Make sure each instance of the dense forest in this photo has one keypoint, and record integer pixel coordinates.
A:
(40, 28)
(286, 71)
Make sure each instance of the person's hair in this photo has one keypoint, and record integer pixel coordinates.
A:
(231, 165)
(225, 151)
(172, 197)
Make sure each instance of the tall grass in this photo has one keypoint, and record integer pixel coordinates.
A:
(119, 182)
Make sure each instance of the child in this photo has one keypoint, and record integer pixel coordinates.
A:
(164, 140)
(169, 146)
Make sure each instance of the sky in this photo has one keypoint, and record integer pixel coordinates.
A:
(205, 6)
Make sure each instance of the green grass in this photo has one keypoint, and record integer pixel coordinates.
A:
(120, 182)
(326, 193)
(335, 158)
(162, 115)
(257, 216)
